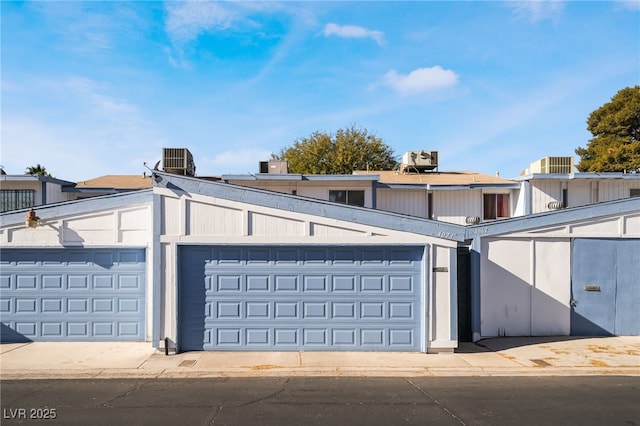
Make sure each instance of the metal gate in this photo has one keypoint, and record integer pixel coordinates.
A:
(300, 298)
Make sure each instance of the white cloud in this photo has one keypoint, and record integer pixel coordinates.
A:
(91, 90)
(421, 80)
(537, 10)
(187, 20)
(352, 31)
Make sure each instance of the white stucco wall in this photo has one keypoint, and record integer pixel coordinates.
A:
(525, 287)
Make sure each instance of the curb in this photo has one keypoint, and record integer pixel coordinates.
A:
(276, 371)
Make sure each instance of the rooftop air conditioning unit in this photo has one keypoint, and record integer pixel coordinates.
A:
(274, 167)
(419, 161)
(553, 165)
(178, 161)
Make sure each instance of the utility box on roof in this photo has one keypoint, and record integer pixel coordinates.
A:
(552, 165)
(419, 161)
(178, 161)
(274, 167)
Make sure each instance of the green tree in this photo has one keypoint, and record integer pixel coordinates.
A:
(615, 146)
(340, 153)
(37, 170)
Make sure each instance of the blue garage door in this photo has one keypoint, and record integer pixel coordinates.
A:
(300, 298)
(605, 286)
(72, 294)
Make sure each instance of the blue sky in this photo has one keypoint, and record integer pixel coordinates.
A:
(95, 88)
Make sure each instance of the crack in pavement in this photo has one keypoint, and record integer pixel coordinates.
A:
(138, 386)
(212, 420)
(279, 391)
(35, 391)
(428, 395)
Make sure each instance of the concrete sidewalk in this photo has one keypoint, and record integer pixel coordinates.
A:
(508, 356)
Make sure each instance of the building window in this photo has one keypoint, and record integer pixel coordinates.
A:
(16, 199)
(635, 192)
(354, 198)
(496, 206)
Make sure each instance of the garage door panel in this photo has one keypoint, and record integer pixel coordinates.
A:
(71, 294)
(300, 298)
(287, 337)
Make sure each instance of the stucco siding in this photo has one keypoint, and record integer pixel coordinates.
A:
(443, 301)
(525, 287)
(505, 288)
(550, 310)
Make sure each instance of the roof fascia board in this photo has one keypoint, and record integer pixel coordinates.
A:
(578, 176)
(495, 185)
(298, 177)
(402, 186)
(100, 190)
(366, 178)
(24, 178)
(87, 205)
(553, 218)
(182, 185)
(445, 187)
(262, 176)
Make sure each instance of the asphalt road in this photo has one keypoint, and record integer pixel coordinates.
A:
(603, 400)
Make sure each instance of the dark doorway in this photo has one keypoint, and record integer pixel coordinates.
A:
(464, 295)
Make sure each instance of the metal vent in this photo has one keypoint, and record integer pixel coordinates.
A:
(178, 161)
(553, 165)
(419, 161)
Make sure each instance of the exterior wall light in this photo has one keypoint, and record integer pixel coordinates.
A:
(32, 220)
